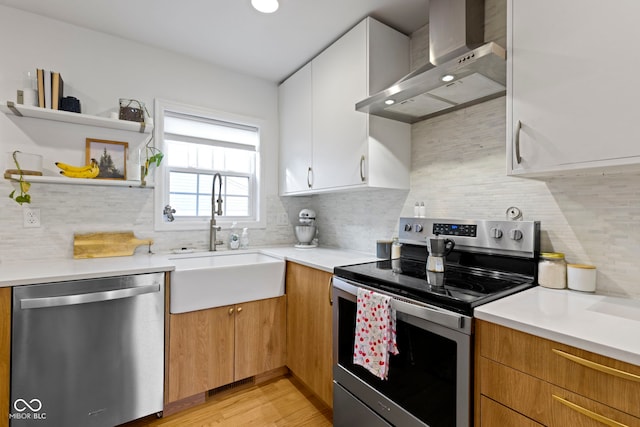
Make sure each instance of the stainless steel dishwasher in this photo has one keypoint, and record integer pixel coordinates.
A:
(87, 352)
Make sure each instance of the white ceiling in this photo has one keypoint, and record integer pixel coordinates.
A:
(230, 32)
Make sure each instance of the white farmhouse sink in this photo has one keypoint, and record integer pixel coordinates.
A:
(213, 280)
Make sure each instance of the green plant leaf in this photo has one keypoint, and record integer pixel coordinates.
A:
(23, 199)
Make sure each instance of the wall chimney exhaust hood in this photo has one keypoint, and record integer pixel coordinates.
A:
(462, 70)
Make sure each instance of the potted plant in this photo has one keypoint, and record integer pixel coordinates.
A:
(152, 157)
(24, 186)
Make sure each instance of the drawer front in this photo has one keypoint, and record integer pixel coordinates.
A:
(521, 392)
(545, 403)
(493, 414)
(605, 380)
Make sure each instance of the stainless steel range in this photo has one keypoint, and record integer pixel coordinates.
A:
(429, 381)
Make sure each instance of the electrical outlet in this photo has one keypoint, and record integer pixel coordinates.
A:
(30, 217)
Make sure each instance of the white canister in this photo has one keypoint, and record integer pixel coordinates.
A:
(581, 277)
(395, 248)
(552, 270)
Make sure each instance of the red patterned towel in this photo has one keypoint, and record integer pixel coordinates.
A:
(375, 332)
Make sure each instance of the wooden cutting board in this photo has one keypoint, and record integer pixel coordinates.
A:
(109, 244)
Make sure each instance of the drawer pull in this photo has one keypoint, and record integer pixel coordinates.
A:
(597, 366)
(594, 416)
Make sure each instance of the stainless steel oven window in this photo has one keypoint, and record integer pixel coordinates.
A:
(429, 381)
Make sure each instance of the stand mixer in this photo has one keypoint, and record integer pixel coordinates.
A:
(306, 231)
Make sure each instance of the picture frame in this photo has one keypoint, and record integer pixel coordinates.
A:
(111, 157)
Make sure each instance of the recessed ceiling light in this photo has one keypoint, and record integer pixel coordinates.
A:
(265, 6)
(389, 102)
(447, 78)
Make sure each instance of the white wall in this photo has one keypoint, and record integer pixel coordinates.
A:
(99, 69)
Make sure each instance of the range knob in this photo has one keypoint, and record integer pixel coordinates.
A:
(418, 228)
(496, 233)
(407, 227)
(515, 234)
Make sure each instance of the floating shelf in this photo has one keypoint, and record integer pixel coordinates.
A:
(11, 108)
(81, 181)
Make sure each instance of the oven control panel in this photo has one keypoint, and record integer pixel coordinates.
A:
(519, 238)
(467, 230)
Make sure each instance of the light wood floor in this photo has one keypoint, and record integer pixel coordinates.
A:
(279, 402)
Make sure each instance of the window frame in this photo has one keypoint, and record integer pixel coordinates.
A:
(161, 173)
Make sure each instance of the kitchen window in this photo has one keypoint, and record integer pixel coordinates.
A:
(198, 144)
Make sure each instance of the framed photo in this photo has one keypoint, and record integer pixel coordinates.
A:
(111, 157)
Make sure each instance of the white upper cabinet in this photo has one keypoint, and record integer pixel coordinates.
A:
(572, 100)
(349, 149)
(294, 99)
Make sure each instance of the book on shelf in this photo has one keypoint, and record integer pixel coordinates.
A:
(40, 78)
(50, 89)
(57, 90)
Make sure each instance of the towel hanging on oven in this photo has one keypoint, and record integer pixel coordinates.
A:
(375, 335)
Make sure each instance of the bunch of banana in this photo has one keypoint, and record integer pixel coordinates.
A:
(89, 171)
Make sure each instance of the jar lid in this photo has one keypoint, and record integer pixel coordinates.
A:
(552, 255)
(585, 266)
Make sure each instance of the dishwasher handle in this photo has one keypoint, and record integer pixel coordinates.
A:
(29, 303)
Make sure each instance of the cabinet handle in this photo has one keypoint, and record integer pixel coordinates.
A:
(584, 411)
(362, 177)
(517, 142)
(309, 177)
(230, 311)
(597, 366)
(239, 309)
(330, 290)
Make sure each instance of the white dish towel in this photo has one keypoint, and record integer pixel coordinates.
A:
(375, 332)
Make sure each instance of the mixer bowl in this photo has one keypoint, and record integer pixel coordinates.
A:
(305, 233)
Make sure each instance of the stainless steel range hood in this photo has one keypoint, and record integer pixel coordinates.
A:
(477, 71)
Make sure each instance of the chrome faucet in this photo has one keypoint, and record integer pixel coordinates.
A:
(215, 211)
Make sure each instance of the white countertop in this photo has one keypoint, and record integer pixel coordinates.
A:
(601, 324)
(48, 271)
(320, 258)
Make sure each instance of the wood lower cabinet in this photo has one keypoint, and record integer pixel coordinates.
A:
(260, 334)
(309, 333)
(495, 414)
(550, 383)
(215, 347)
(5, 355)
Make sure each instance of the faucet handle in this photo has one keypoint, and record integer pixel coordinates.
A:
(168, 212)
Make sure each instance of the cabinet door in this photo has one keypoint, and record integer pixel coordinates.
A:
(570, 85)
(309, 333)
(5, 354)
(339, 131)
(200, 351)
(260, 336)
(295, 132)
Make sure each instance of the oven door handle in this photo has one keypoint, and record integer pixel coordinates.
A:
(448, 319)
(440, 316)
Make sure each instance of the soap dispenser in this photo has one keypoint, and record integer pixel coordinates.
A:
(244, 238)
(234, 237)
